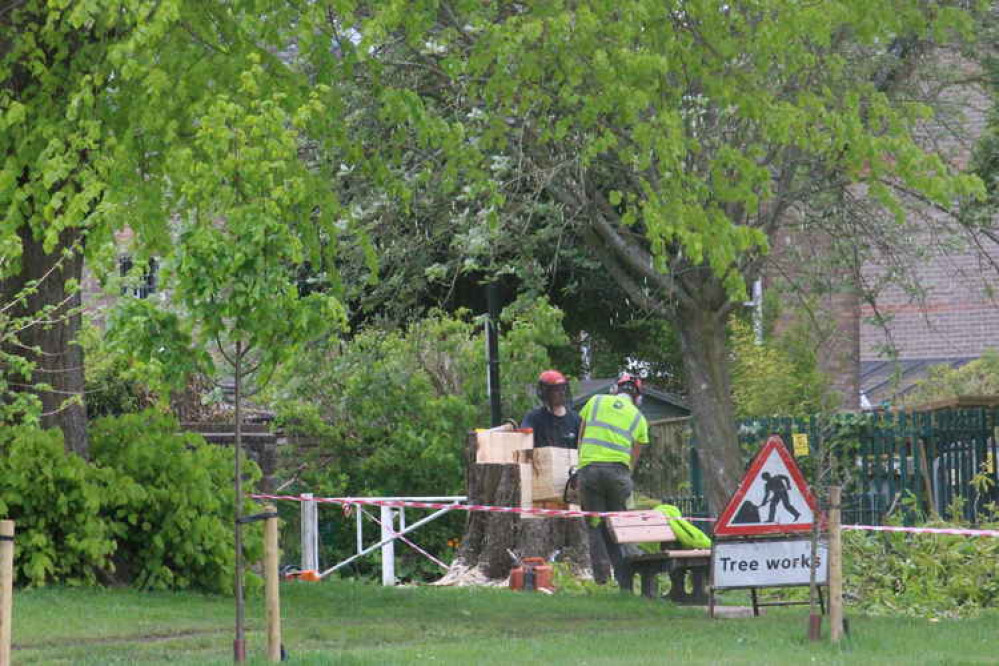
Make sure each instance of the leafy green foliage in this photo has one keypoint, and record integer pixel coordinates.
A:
(942, 382)
(114, 385)
(97, 101)
(80, 75)
(780, 376)
(56, 500)
(171, 504)
(922, 575)
(702, 110)
(156, 343)
(251, 213)
(153, 508)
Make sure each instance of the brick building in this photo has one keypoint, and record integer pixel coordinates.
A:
(949, 314)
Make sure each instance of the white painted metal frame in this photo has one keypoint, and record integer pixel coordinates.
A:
(390, 518)
(310, 533)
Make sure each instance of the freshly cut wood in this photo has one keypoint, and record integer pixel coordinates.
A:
(551, 468)
(526, 474)
(500, 445)
(641, 527)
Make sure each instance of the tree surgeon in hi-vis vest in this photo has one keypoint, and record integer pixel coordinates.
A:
(613, 430)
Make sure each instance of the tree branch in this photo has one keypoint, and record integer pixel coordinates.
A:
(628, 283)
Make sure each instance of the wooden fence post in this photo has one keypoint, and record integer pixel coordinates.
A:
(271, 581)
(835, 566)
(6, 588)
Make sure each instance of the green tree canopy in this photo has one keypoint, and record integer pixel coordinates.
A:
(95, 98)
(680, 135)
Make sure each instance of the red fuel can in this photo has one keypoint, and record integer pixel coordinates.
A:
(533, 574)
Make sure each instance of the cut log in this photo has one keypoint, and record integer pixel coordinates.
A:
(550, 467)
(500, 445)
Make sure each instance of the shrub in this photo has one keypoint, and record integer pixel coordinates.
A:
(113, 384)
(942, 382)
(922, 575)
(153, 508)
(56, 500)
(781, 376)
(171, 506)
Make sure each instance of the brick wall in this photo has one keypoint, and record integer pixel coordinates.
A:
(957, 315)
(956, 312)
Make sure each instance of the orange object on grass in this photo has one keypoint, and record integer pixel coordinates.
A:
(533, 574)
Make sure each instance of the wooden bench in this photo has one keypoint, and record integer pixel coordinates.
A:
(652, 526)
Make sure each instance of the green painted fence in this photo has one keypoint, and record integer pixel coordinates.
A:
(906, 463)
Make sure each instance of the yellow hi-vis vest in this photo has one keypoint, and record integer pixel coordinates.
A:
(611, 426)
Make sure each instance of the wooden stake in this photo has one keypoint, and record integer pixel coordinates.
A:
(835, 566)
(6, 588)
(310, 533)
(814, 616)
(239, 642)
(931, 501)
(271, 589)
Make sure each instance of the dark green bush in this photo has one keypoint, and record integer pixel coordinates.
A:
(171, 507)
(114, 383)
(56, 500)
(153, 508)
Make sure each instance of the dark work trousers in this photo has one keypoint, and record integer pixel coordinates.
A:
(604, 487)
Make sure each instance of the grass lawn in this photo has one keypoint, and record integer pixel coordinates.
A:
(341, 622)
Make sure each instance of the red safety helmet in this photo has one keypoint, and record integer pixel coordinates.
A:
(629, 384)
(551, 379)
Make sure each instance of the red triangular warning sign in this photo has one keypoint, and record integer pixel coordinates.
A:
(773, 497)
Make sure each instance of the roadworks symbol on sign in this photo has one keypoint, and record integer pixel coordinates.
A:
(773, 497)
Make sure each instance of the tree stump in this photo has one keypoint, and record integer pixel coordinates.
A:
(488, 536)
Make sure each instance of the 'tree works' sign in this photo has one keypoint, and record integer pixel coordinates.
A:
(767, 563)
(773, 499)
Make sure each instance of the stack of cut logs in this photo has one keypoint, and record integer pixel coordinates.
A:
(542, 472)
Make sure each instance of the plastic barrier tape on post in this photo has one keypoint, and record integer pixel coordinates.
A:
(955, 531)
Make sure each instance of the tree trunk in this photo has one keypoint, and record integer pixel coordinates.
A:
(58, 359)
(488, 536)
(705, 360)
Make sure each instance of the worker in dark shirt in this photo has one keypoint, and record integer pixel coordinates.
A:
(554, 423)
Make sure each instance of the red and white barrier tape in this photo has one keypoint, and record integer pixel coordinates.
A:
(364, 501)
(347, 502)
(923, 530)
